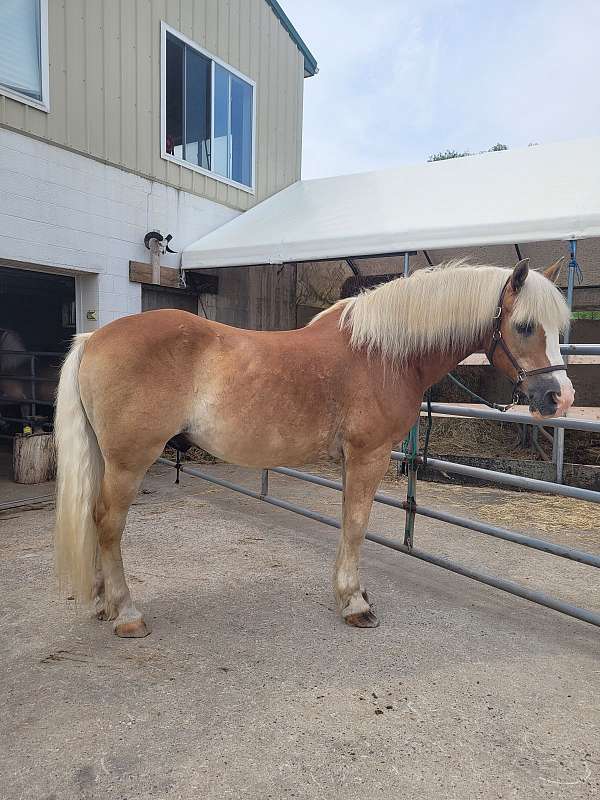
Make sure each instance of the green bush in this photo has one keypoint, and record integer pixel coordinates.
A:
(585, 315)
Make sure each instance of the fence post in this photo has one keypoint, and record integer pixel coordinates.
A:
(264, 482)
(411, 450)
(558, 446)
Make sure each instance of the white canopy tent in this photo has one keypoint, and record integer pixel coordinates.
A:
(534, 194)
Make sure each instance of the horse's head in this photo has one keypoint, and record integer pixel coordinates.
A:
(525, 345)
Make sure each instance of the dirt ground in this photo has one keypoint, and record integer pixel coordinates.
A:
(250, 686)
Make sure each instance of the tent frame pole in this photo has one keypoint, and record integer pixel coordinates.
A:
(558, 445)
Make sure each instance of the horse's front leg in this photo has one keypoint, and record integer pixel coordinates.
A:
(362, 474)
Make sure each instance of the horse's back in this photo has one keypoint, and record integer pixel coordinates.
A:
(233, 390)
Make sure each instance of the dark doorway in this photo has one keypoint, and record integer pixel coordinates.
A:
(39, 307)
(37, 323)
(159, 297)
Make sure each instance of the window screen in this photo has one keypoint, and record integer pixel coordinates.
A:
(208, 113)
(20, 47)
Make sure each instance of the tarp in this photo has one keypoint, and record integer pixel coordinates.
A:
(534, 194)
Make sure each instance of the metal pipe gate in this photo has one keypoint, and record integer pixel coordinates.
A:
(411, 508)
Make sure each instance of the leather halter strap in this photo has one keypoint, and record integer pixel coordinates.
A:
(498, 341)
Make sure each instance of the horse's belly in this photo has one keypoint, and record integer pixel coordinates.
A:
(256, 441)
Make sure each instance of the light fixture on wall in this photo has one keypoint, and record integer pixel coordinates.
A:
(158, 245)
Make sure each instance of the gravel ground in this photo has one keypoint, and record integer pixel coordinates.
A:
(250, 686)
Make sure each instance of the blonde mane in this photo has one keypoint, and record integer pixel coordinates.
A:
(449, 307)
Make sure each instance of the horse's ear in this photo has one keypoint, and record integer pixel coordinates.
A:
(520, 272)
(553, 270)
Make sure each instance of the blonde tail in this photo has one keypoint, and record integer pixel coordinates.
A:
(80, 468)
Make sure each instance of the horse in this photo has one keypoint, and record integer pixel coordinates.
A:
(11, 390)
(19, 388)
(347, 386)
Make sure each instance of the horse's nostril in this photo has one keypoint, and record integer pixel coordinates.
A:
(551, 399)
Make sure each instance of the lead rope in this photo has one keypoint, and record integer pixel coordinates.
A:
(410, 467)
(427, 429)
(497, 406)
(573, 264)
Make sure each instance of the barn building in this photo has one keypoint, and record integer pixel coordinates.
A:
(117, 119)
(122, 119)
(151, 157)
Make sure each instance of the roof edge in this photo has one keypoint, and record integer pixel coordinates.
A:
(310, 62)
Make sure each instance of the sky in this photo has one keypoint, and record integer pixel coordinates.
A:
(401, 80)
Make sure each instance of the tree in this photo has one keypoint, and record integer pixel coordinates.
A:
(446, 154)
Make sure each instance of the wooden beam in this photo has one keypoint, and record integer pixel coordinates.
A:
(140, 272)
(197, 283)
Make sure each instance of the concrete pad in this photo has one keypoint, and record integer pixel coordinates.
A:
(250, 686)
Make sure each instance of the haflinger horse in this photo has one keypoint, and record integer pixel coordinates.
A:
(347, 386)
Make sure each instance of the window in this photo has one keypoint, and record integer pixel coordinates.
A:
(24, 51)
(207, 112)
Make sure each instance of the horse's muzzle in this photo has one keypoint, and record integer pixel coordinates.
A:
(550, 396)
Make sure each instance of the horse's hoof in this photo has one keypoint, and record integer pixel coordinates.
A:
(134, 629)
(365, 620)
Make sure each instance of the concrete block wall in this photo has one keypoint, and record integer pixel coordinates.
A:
(63, 212)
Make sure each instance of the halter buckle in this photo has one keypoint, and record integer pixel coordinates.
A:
(496, 334)
(498, 313)
(521, 375)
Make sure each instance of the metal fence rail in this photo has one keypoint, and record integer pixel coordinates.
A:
(463, 522)
(580, 349)
(551, 548)
(568, 423)
(411, 508)
(518, 481)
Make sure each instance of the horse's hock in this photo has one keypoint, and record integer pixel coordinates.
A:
(34, 458)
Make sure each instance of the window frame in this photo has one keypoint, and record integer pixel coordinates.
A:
(44, 103)
(167, 29)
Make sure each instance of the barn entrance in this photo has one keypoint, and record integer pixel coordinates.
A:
(40, 307)
(37, 322)
(154, 297)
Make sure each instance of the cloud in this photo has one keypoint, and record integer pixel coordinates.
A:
(400, 80)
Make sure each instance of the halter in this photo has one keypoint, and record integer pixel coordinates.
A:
(498, 340)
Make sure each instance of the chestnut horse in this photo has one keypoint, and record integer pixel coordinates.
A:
(346, 386)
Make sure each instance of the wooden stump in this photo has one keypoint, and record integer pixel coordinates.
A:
(34, 458)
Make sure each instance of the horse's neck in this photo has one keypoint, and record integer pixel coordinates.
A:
(435, 365)
(423, 369)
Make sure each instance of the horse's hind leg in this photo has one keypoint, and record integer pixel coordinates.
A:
(113, 600)
(98, 591)
(362, 473)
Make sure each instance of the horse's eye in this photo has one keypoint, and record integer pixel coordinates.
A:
(525, 328)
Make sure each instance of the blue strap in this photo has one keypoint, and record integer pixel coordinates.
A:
(573, 262)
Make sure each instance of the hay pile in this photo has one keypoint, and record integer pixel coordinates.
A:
(479, 437)
(474, 437)
(542, 511)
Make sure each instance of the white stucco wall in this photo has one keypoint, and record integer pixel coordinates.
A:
(61, 211)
